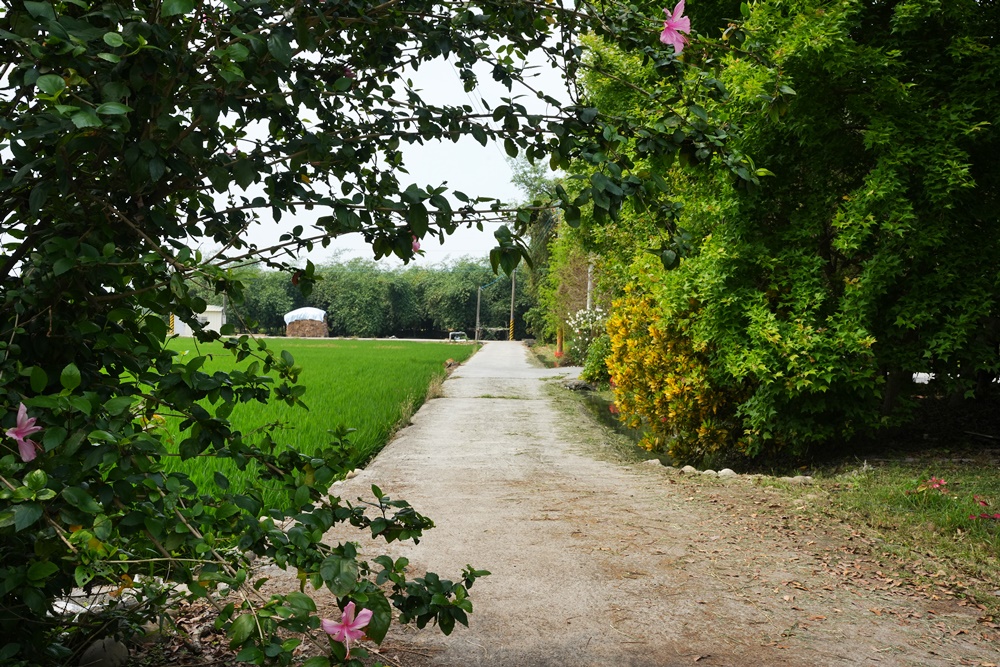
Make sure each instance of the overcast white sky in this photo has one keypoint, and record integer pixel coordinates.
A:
(466, 166)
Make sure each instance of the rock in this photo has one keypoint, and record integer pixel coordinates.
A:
(798, 480)
(68, 608)
(107, 652)
(578, 385)
(728, 472)
(710, 473)
(351, 475)
(670, 469)
(689, 469)
(651, 462)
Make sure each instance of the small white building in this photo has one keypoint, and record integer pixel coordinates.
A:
(213, 318)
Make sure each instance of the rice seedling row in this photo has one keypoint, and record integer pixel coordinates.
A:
(370, 386)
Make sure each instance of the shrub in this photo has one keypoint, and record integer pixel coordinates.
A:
(585, 325)
(663, 381)
(595, 367)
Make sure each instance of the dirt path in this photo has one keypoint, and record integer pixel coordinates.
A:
(598, 563)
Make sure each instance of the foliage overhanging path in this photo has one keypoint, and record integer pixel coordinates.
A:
(597, 563)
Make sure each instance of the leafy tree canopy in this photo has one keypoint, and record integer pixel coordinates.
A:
(868, 253)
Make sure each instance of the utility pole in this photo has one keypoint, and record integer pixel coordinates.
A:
(510, 335)
(590, 281)
(479, 300)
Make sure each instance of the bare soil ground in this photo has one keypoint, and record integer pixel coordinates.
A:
(598, 563)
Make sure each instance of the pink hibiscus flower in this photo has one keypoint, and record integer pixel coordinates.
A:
(25, 427)
(675, 24)
(349, 628)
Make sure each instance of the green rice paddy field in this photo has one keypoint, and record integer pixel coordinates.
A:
(372, 386)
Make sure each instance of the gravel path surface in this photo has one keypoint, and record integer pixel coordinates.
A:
(601, 563)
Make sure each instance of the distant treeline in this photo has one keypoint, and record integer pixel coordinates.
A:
(365, 299)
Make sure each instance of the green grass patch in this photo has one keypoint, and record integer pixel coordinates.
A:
(936, 507)
(545, 355)
(371, 386)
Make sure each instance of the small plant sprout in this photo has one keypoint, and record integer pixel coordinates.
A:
(931, 484)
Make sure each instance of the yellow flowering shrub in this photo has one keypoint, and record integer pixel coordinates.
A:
(662, 382)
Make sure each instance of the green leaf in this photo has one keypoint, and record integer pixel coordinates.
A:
(157, 167)
(53, 437)
(81, 404)
(339, 574)
(85, 118)
(237, 52)
(36, 480)
(63, 265)
(241, 628)
(318, 661)
(81, 500)
(118, 405)
(70, 377)
(175, 7)
(417, 218)
(669, 259)
(39, 379)
(50, 84)
(277, 46)
(446, 622)
(113, 39)
(82, 575)
(250, 654)
(40, 10)
(113, 109)
(26, 514)
(37, 198)
(381, 619)
(698, 111)
(244, 173)
(510, 147)
(479, 134)
(42, 570)
(301, 602)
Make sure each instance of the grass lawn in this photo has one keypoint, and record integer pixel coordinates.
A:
(939, 509)
(373, 386)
